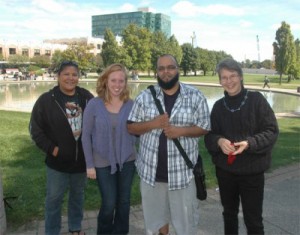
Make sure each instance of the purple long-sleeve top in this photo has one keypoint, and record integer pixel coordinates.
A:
(97, 136)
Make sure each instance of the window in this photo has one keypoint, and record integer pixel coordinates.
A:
(12, 51)
(25, 52)
(37, 52)
(48, 52)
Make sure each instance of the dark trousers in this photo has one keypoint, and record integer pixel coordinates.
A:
(249, 189)
(113, 217)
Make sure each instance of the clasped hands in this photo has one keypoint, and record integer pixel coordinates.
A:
(162, 122)
(232, 148)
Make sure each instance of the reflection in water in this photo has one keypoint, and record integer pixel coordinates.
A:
(22, 96)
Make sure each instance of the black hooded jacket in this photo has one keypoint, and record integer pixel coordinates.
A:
(49, 127)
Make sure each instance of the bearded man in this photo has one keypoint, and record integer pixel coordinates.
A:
(167, 184)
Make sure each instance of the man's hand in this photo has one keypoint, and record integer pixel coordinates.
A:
(161, 121)
(172, 132)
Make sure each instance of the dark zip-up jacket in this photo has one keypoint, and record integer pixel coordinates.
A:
(49, 127)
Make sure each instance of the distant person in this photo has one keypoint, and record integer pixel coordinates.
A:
(266, 82)
(167, 184)
(55, 127)
(243, 133)
(109, 149)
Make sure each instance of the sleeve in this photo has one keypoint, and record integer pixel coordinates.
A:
(202, 114)
(267, 132)
(38, 127)
(137, 112)
(87, 133)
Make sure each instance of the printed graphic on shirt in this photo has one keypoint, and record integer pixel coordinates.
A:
(74, 115)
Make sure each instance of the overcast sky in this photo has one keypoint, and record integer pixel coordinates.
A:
(232, 26)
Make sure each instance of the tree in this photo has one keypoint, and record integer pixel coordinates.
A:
(284, 50)
(42, 61)
(174, 48)
(189, 58)
(80, 54)
(297, 61)
(56, 59)
(137, 43)
(110, 49)
(159, 46)
(207, 60)
(18, 59)
(267, 64)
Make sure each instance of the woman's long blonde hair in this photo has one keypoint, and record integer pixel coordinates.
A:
(101, 87)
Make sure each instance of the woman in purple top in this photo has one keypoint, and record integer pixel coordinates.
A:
(109, 149)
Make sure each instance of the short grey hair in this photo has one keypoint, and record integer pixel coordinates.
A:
(231, 65)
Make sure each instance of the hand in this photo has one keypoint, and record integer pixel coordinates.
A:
(240, 147)
(161, 121)
(226, 146)
(172, 132)
(55, 151)
(91, 173)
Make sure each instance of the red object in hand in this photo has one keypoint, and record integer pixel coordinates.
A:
(231, 158)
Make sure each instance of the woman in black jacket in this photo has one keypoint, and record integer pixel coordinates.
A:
(55, 127)
(244, 131)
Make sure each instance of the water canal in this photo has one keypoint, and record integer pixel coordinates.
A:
(22, 96)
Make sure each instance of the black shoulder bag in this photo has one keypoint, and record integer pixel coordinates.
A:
(198, 168)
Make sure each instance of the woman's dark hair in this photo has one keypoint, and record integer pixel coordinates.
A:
(231, 65)
(65, 64)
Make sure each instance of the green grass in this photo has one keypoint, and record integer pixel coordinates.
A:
(249, 79)
(23, 168)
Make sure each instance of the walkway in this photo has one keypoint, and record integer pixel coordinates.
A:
(281, 210)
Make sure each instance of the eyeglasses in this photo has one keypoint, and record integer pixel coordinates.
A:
(230, 78)
(168, 68)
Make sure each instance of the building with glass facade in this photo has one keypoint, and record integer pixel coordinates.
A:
(142, 18)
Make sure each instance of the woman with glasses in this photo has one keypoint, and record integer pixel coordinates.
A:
(55, 127)
(109, 149)
(243, 132)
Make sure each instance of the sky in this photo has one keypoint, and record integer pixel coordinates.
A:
(245, 29)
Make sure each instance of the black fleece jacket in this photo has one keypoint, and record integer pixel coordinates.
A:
(255, 122)
(49, 127)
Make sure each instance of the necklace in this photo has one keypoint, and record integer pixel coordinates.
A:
(237, 109)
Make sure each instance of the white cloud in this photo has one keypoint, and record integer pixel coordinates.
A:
(188, 9)
(245, 24)
(127, 7)
(49, 6)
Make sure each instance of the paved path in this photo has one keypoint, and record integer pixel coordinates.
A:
(281, 210)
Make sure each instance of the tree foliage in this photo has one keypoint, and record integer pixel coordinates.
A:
(189, 58)
(42, 61)
(18, 59)
(284, 50)
(110, 49)
(137, 45)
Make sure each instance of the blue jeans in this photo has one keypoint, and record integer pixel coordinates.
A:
(57, 185)
(249, 189)
(113, 217)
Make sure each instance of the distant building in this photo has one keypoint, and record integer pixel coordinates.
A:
(142, 18)
(47, 47)
(30, 49)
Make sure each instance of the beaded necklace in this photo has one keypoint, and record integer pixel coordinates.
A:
(239, 108)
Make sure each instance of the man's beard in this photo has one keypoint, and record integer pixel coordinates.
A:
(168, 85)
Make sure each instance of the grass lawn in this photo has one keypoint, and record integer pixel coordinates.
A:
(23, 169)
